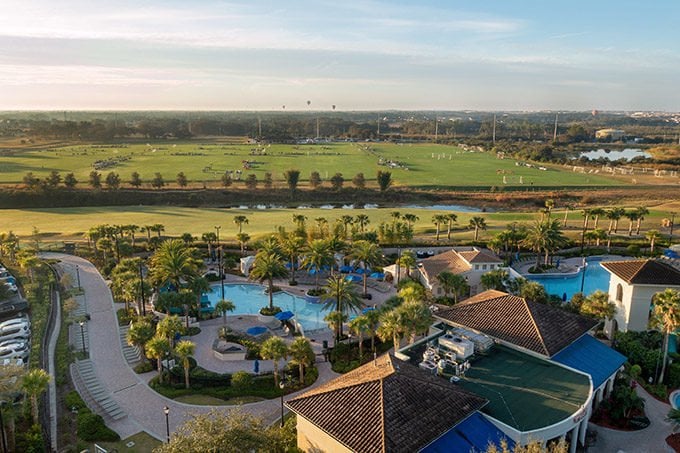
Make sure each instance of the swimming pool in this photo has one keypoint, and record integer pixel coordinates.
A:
(249, 298)
(596, 278)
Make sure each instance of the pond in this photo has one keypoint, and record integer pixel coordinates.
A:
(614, 155)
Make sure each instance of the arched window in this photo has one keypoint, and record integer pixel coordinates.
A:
(619, 293)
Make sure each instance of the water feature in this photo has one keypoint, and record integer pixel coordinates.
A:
(446, 207)
(614, 155)
(249, 298)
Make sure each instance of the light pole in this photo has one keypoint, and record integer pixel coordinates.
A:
(583, 274)
(398, 265)
(281, 386)
(670, 233)
(78, 273)
(82, 335)
(166, 411)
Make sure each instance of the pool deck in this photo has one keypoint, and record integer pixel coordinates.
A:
(567, 265)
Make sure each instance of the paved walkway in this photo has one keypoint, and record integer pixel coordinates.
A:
(649, 440)
(143, 406)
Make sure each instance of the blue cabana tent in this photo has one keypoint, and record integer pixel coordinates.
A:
(353, 278)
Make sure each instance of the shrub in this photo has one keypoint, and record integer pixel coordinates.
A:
(674, 375)
(241, 380)
(315, 292)
(266, 311)
(125, 316)
(91, 427)
(30, 441)
(73, 400)
(143, 367)
(191, 331)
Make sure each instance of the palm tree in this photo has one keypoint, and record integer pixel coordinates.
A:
(34, 383)
(477, 223)
(391, 327)
(302, 355)
(157, 348)
(666, 317)
(586, 217)
(274, 349)
(596, 235)
(410, 219)
(10, 383)
(369, 255)
(598, 306)
(614, 214)
(362, 220)
(242, 239)
(346, 221)
(317, 255)
(335, 320)
(495, 279)
(239, 220)
(373, 319)
(652, 236)
(632, 216)
(407, 260)
(174, 263)
(266, 268)
(300, 220)
(596, 213)
(139, 334)
(168, 327)
(544, 236)
(358, 326)
(438, 219)
(641, 213)
(549, 206)
(198, 286)
(209, 238)
(158, 228)
(566, 214)
(415, 318)
(451, 218)
(292, 246)
(28, 261)
(184, 350)
(340, 296)
(453, 284)
(223, 306)
(396, 215)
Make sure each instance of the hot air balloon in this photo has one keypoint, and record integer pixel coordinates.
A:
(333, 106)
(309, 103)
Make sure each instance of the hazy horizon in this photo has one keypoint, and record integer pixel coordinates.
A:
(206, 55)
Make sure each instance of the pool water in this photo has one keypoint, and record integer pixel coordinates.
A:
(249, 298)
(596, 278)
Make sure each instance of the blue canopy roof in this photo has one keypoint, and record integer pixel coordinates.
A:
(284, 315)
(472, 434)
(591, 356)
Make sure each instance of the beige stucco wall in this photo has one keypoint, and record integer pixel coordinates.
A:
(314, 440)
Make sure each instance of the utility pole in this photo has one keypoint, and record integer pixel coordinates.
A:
(494, 128)
(317, 127)
(555, 132)
(436, 129)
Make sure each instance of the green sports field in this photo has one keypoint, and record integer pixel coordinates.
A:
(423, 165)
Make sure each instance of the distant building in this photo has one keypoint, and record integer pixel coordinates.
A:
(632, 286)
(610, 134)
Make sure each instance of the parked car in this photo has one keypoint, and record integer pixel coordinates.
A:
(16, 350)
(17, 362)
(22, 319)
(11, 286)
(15, 331)
(12, 309)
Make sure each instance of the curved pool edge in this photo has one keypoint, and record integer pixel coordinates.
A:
(672, 399)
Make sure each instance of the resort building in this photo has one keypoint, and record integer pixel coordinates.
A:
(632, 287)
(609, 134)
(469, 262)
(391, 406)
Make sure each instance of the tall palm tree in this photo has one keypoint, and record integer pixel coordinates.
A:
(641, 213)
(223, 306)
(335, 320)
(396, 215)
(34, 383)
(317, 255)
(614, 214)
(157, 348)
(140, 332)
(451, 218)
(184, 350)
(346, 220)
(340, 296)
(596, 235)
(266, 268)
(632, 216)
(209, 238)
(477, 223)
(300, 221)
(239, 220)
(174, 263)
(390, 327)
(595, 214)
(242, 239)
(373, 321)
(544, 236)
(302, 355)
(362, 220)
(438, 219)
(666, 317)
(652, 236)
(292, 246)
(586, 217)
(321, 226)
(453, 284)
(158, 228)
(369, 255)
(274, 349)
(415, 317)
(168, 327)
(358, 326)
(407, 260)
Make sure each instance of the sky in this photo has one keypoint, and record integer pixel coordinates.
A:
(358, 55)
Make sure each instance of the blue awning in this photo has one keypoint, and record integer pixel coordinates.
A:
(591, 356)
(472, 434)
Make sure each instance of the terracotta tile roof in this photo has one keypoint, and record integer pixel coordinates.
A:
(533, 326)
(389, 406)
(448, 261)
(644, 272)
(480, 256)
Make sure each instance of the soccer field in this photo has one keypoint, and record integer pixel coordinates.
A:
(421, 165)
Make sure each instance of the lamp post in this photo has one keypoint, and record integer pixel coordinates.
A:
(583, 274)
(670, 233)
(82, 335)
(281, 386)
(166, 411)
(398, 265)
(78, 273)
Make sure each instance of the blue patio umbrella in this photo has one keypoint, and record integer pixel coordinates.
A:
(564, 297)
(256, 366)
(257, 330)
(284, 315)
(367, 309)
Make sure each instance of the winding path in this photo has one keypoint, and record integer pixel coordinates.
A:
(144, 407)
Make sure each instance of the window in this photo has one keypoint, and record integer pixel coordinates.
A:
(619, 293)
(476, 267)
(483, 267)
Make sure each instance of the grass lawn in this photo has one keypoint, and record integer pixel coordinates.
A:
(207, 400)
(425, 165)
(71, 223)
(144, 443)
